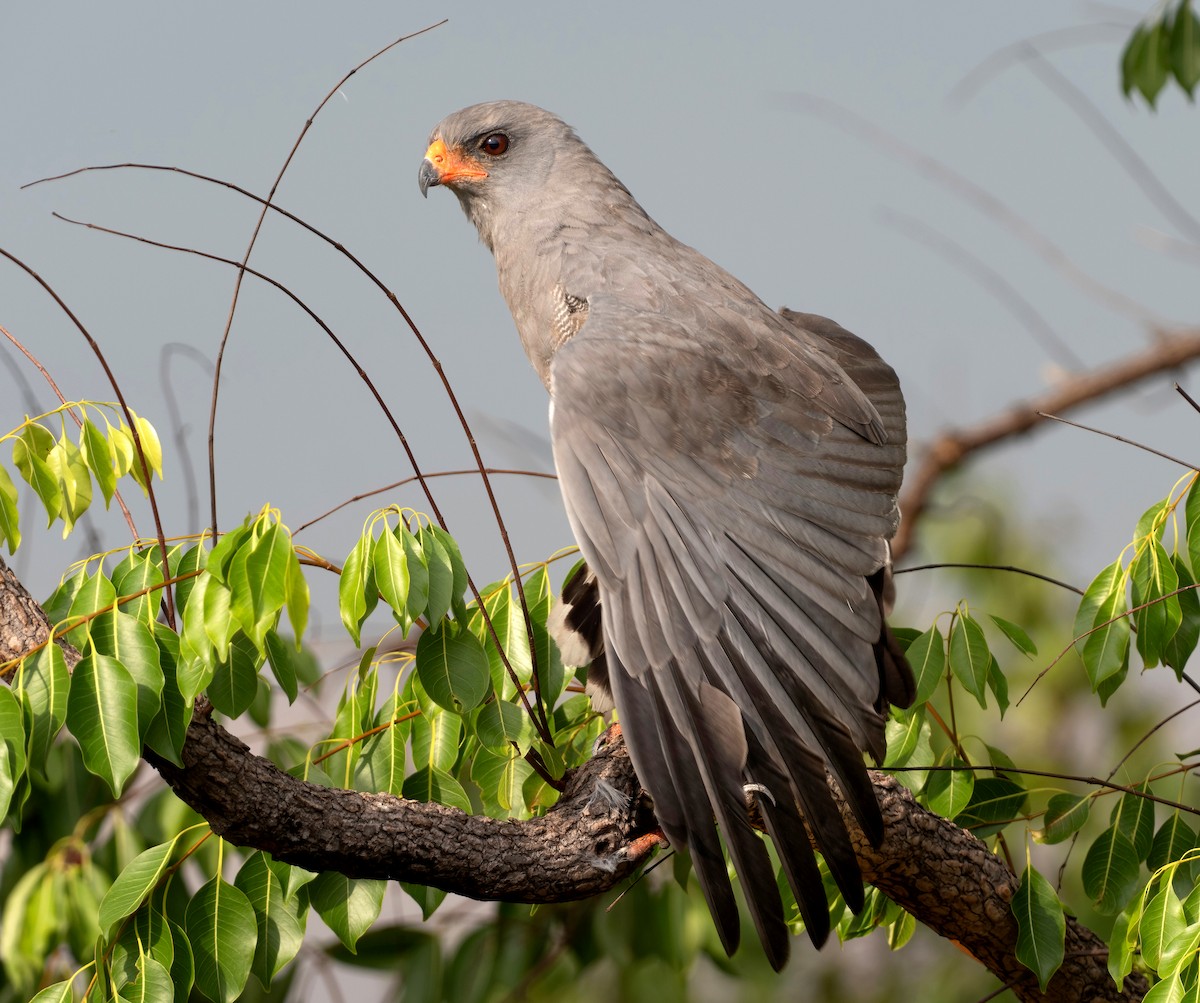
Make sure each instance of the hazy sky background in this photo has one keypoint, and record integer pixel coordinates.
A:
(698, 108)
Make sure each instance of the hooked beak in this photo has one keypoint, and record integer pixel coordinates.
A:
(443, 166)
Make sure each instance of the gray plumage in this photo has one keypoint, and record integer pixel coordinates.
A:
(730, 474)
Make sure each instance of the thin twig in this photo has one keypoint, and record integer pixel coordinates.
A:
(541, 725)
(991, 567)
(1119, 438)
(429, 475)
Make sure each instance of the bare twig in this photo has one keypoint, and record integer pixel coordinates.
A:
(953, 446)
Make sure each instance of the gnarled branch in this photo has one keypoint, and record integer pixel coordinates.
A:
(586, 844)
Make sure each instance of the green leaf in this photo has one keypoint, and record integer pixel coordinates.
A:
(1161, 923)
(59, 992)
(903, 733)
(280, 923)
(1153, 66)
(42, 685)
(134, 884)
(223, 935)
(970, 658)
(434, 785)
(391, 575)
(1041, 926)
(8, 782)
(1134, 817)
(539, 597)
(10, 533)
(1015, 633)
(1173, 839)
(235, 677)
(267, 568)
(152, 985)
(1154, 579)
(1185, 49)
(1179, 952)
(426, 897)
(441, 576)
(1121, 943)
(1131, 58)
(102, 715)
(193, 559)
(282, 658)
(137, 573)
(131, 643)
(435, 739)
(38, 476)
(95, 593)
(297, 595)
(1110, 871)
(220, 558)
(997, 682)
(949, 791)
(418, 573)
(501, 724)
(197, 656)
(1183, 642)
(357, 593)
(501, 781)
(381, 767)
(458, 569)
(12, 738)
(347, 906)
(183, 967)
(1065, 815)
(509, 625)
(1105, 648)
(452, 666)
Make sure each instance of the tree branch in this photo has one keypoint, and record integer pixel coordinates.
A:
(953, 446)
(585, 845)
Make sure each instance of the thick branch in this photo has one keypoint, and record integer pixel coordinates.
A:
(952, 446)
(586, 844)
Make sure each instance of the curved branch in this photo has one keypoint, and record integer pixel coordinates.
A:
(953, 446)
(585, 845)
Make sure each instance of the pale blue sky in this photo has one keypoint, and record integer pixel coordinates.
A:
(694, 106)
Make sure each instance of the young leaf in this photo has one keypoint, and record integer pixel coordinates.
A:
(102, 715)
(10, 534)
(418, 574)
(969, 656)
(508, 623)
(1041, 926)
(223, 934)
(1183, 642)
(1101, 627)
(435, 740)
(357, 594)
(98, 455)
(441, 576)
(1162, 922)
(38, 476)
(139, 572)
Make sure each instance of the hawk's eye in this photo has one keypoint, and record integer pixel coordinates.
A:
(494, 145)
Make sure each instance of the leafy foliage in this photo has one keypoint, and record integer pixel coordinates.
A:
(1166, 46)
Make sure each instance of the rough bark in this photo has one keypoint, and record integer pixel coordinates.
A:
(591, 840)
